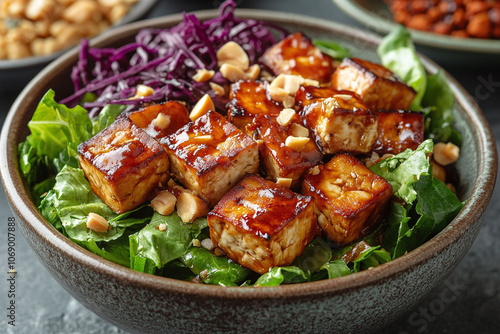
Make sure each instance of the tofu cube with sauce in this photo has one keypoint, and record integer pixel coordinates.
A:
(210, 155)
(349, 198)
(377, 86)
(124, 165)
(277, 159)
(260, 224)
(249, 99)
(398, 131)
(338, 120)
(297, 55)
(160, 120)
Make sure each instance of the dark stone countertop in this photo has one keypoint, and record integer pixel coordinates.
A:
(467, 302)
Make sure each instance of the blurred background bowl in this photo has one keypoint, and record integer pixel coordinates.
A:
(444, 49)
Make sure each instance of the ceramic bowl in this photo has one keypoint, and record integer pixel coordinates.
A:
(360, 302)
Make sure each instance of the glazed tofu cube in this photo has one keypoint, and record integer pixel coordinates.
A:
(124, 165)
(349, 198)
(210, 155)
(378, 87)
(249, 99)
(296, 54)
(278, 159)
(160, 120)
(338, 123)
(346, 99)
(261, 225)
(398, 131)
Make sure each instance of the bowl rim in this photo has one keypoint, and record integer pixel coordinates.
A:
(31, 219)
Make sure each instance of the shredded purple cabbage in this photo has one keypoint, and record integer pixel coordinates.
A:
(166, 60)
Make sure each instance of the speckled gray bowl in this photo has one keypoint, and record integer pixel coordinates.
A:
(357, 303)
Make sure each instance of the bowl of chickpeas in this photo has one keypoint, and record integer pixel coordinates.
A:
(35, 32)
(468, 28)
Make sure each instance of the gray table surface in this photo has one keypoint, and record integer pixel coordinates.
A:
(467, 302)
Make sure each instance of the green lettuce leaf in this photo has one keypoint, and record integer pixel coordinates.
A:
(336, 268)
(106, 117)
(212, 269)
(435, 208)
(371, 257)
(404, 169)
(33, 166)
(438, 116)
(116, 251)
(398, 226)
(161, 247)
(398, 54)
(74, 201)
(48, 210)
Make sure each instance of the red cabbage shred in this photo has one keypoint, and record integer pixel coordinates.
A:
(166, 60)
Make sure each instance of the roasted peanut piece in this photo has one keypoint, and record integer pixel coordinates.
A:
(207, 244)
(164, 203)
(298, 130)
(218, 89)
(285, 116)
(143, 91)
(232, 53)
(284, 181)
(204, 105)
(190, 207)
(203, 75)
(296, 143)
(161, 121)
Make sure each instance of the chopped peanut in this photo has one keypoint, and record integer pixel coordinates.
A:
(253, 72)
(207, 244)
(196, 243)
(284, 181)
(204, 105)
(143, 91)
(218, 89)
(162, 227)
(232, 73)
(233, 54)
(190, 207)
(161, 121)
(296, 143)
(438, 171)
(277, 94)
(299, 130)
(345, 97)
(203, 75)
(97, 223)
(285, 116)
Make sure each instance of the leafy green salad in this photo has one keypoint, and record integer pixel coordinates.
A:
(48, 159)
